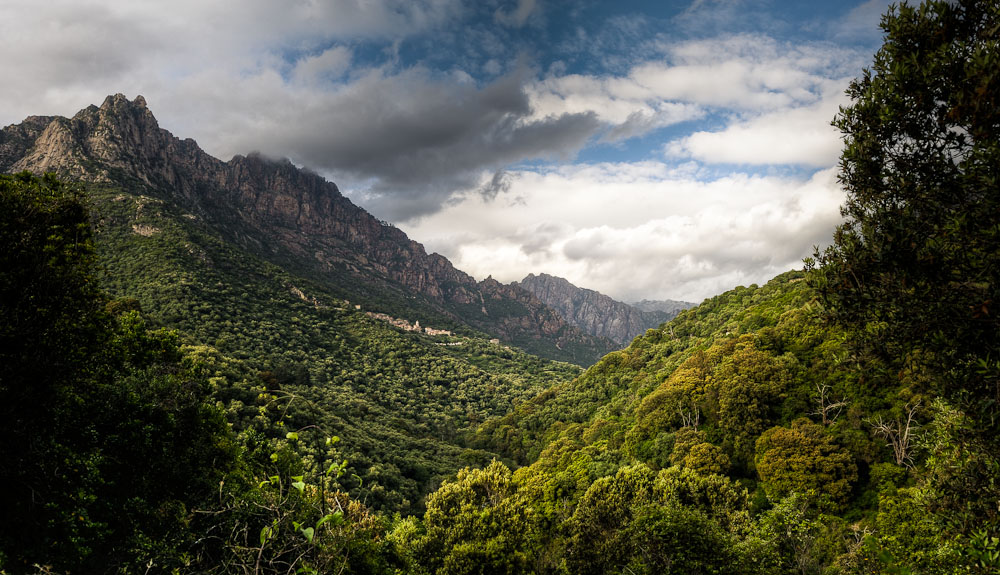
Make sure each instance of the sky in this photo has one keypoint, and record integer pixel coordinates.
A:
(669, 149)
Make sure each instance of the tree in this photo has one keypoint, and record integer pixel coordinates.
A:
(749, 383)
(804, 459)
(674, 521)
(477, 524)
(827, 408)
(914, 272)
(109, 441)
(899, 433)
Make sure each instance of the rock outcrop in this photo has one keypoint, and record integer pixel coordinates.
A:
(284, 213)
(594, 312)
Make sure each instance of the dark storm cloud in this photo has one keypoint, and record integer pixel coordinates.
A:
(421, 135)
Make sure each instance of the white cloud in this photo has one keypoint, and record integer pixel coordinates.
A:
(324, 67)
(637, 230)
(802, 136)
(753, 79)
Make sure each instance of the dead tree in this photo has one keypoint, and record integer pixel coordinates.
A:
(689, 417)
(829, 410)
(899, 433)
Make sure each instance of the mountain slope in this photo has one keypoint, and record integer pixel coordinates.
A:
(180, 236)
(594, 312)
(292, 218)
(611, 389)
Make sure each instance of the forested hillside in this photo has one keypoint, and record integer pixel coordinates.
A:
(842, 419)
(281, 350)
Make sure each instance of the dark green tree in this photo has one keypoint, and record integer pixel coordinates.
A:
(914, 272)
(50, 324)
(109, 440)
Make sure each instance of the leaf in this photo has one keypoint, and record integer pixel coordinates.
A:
(308, 532)
(265, 534)
(292, 436)
(339, 468)
(337, 518)
(299, 485)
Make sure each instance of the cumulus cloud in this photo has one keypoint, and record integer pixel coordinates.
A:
(638, 230)
(327, 66)
(754, 79)
(802, 136)
(500, 182)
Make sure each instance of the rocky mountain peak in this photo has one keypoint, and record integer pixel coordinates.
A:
(591, 311)
(120, 135)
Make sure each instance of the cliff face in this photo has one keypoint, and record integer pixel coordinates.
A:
(594, 312)
(289, 215)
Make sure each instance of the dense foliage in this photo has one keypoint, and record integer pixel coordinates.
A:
(108, 439)
(283, 354)
(914, 273)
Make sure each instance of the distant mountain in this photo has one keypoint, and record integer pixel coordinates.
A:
(668, 306)
(596, 313)
(291, 217)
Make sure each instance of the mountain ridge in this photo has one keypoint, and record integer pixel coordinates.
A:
(290, 216)
(596, 313)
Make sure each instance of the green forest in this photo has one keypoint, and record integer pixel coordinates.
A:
(175, 404)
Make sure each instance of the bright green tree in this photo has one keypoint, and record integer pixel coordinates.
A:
(673, 521)
(804, 459)
(748, 383)
(476, 524)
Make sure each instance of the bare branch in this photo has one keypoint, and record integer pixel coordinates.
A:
(899, 433)
(829, 410)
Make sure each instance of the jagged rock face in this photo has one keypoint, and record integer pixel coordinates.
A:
(266, 204)
(300, 209)
(594, 312)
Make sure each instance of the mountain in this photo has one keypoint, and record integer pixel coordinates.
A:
(596, 313)
(291, 217)
(667, 306)
(302, 309)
